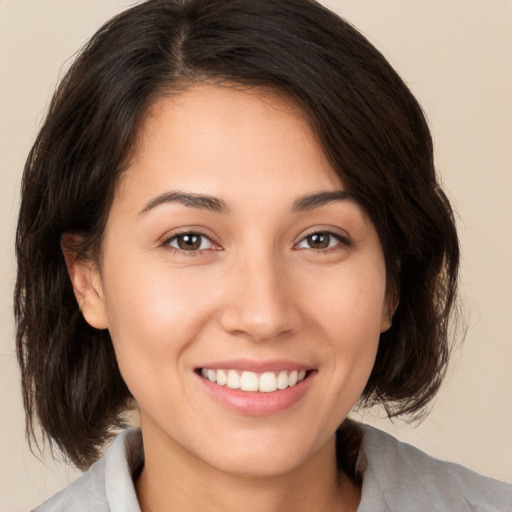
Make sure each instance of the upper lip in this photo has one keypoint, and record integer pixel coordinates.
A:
(252, 365)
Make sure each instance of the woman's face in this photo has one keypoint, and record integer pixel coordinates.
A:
(232, 252)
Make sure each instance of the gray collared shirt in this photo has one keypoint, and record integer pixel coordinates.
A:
(396, 478)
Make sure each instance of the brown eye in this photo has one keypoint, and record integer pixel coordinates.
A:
(190, 242)
(319, 240)
(322, 240)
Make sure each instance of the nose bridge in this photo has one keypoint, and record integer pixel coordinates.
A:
(260, 305)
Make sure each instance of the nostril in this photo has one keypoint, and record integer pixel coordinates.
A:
(261, 323)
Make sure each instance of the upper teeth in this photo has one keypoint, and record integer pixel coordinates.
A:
(250, 381)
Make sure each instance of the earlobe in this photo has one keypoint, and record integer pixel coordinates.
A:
(386, 323)
(390, 306)
(86, 281)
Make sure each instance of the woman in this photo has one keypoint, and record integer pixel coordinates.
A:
(230, 220)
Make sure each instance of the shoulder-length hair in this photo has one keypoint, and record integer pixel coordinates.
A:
(368, 123)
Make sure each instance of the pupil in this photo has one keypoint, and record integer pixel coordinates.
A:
(189, 242)
(318, 241)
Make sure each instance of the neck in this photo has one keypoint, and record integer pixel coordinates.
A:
(173, 479)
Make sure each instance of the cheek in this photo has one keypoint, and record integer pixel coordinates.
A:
(348, 311)
(153, 316)
(350, 301)
(146, 297)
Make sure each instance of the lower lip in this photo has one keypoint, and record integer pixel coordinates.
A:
(253, 403)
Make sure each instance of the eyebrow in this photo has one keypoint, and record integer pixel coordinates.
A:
(316, 200)
(200, 201)
(205, 202)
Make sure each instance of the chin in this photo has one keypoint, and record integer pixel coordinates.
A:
(262, 454)
(260, 463)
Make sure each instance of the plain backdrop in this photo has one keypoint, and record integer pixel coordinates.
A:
(456, 57)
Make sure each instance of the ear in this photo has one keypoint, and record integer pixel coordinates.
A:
(390, 305)
(86, 280)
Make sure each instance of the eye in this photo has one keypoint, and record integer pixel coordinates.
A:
(190, 242)
(322, 240)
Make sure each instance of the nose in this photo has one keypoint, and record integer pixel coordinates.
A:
(260, 300)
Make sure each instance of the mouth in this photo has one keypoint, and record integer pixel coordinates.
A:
(256, 388)
(254, 382)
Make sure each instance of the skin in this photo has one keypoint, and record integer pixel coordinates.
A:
(254, 289)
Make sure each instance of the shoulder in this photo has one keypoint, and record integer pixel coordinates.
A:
(399, 477)
(107, 486)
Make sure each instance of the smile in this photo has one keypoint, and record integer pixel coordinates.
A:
(266, 382)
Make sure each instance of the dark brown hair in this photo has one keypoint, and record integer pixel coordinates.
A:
(370, 127)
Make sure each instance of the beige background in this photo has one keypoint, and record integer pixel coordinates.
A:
(456, 57)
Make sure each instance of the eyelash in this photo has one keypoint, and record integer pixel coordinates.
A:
(185, 252)
(341, 241)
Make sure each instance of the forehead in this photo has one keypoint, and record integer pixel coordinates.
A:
(210, 138)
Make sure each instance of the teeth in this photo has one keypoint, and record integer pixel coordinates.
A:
(222, 378)
(266, 382)
(282, 380)
(249, 381)
(233, 381)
